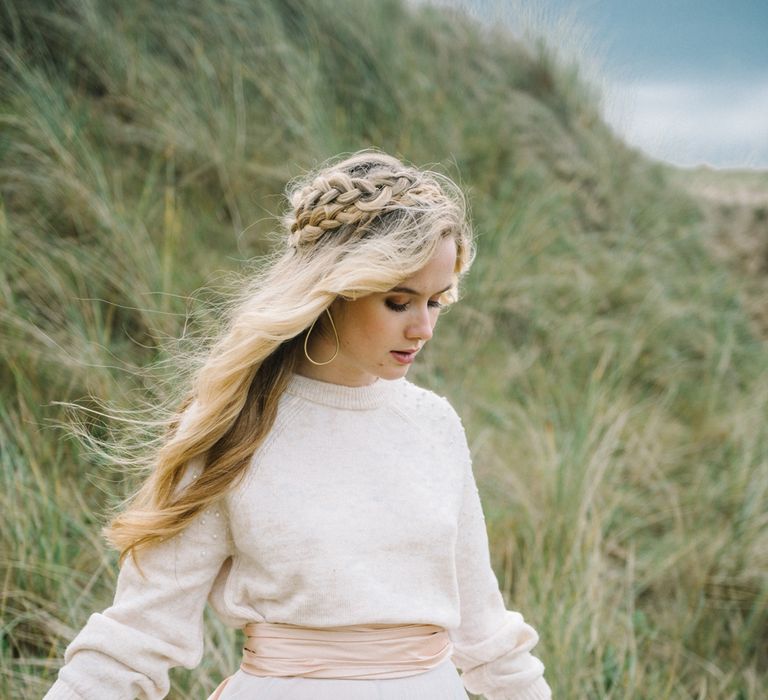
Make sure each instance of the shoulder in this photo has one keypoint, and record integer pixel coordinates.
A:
(430, 406)
(427, 397)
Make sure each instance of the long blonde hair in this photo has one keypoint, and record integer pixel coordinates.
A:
(354, 226)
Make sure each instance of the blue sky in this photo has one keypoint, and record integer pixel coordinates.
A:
(684, 80)
(687, 80)
(691, 38)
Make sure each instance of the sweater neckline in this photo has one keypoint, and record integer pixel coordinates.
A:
(341, 396)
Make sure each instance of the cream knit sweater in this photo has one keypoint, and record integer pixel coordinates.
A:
(359, 508)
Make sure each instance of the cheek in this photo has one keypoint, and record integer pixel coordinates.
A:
(363, 328)
(381, 329)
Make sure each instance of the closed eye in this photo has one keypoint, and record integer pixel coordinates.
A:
(396, 307)
(432, 303)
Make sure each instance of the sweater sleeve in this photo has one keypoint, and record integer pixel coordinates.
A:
(155, 621)
(492, 645)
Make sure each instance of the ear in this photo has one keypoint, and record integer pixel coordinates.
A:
(338, 307)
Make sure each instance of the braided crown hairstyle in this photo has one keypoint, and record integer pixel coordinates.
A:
(353, 226)
(355, 193)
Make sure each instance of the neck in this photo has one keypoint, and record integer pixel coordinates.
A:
(333, 373)
(336, 395)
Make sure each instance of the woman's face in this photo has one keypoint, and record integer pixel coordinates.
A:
(380, 334)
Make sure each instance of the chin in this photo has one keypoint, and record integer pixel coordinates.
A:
(394, 373)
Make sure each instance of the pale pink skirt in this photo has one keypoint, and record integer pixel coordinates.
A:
(354, 662)
(440, 683)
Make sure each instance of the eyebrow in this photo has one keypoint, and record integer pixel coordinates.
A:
(408, 290)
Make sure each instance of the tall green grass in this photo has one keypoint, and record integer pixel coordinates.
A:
(612, 386)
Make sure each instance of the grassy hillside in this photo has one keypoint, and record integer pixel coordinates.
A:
(607, 363)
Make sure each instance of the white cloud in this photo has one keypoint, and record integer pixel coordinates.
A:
(689, 123)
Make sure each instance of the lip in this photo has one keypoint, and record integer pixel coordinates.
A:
(404, 357)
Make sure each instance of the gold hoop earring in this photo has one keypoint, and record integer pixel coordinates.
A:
(336, 335)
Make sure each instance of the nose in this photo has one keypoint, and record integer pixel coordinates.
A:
(422, 327)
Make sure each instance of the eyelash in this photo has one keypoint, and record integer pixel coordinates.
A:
(402, 307)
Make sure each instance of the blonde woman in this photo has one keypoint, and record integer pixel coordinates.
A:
(308, 491)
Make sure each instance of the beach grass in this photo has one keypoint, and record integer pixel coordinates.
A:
(607, 363)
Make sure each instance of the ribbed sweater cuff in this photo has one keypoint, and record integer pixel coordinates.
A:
(61, 691)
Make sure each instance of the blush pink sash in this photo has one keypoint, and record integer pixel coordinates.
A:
(360, 652)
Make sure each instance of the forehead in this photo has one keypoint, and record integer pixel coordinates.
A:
(438, 272)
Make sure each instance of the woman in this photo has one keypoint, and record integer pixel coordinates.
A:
(311, 493)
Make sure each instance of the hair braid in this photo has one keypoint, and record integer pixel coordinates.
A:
(333, 200)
